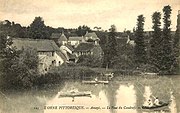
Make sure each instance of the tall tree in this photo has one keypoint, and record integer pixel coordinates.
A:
(111, 47)
(177, 44)
(168, 59)
(37, 29)
(139, 50)
(155, 42)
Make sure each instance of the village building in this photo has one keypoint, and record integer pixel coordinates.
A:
(87, 48)
(91, 37)
(59, 38)
(48, 52)
(68, 50)
(76, 46)
(75, 41)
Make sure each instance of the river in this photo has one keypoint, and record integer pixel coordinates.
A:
(121, 95)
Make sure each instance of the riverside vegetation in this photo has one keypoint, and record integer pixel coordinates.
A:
(18, 69)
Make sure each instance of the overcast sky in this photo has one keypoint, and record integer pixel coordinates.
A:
(72, 13)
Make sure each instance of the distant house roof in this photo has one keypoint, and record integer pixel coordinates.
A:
(39, 44)
(83, 47)
(76, 38)
(92, 35)
(59, 36)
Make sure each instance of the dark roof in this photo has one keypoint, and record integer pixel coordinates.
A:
(92, 35)
(39, 44)
(77, 38)
(83, 47)
(59, 36)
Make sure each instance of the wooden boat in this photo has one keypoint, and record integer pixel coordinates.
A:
(162, 105)
(74, 94)
(148, 73)
(95, 82)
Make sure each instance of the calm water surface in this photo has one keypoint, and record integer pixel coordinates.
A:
(121, 95)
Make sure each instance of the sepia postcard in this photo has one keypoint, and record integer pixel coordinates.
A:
(89, 56)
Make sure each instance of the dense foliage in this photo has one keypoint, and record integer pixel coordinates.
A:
(18, 68)
(140, 47)
(176, 45)
(156, 42)
(168, 59)
(110, 51)
(37, 29)
(90, 61)
(81, 30)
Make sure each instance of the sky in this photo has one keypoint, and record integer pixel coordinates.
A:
(72, 13)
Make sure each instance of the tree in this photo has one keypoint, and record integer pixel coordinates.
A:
(37, 29)
(81, 31)
(7, 56)
(177, 45)
(156, 42)
(110, 51)
(168, 59)
(90, 61)
(17, 68)
(140, 52)
(24, 68)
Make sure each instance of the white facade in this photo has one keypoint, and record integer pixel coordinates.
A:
(48, 60)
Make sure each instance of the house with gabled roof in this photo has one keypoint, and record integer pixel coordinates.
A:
(48, 52)
(59, 38)
(91, 37)
(75, 40)
(68, 50)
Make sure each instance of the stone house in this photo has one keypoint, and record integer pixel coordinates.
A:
(48, 52)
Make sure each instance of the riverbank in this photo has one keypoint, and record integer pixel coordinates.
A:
(61, 74)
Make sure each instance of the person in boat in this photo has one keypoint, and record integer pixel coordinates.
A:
(156, 101)
(150, 103)
(96, 79)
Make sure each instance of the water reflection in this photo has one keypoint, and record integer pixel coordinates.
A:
(116, 97)
(172, 106)
(126, 98)
(147, 95)
(79, 105)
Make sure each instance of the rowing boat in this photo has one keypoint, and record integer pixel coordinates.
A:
(95, 82)
(74, 94)
(162, 105)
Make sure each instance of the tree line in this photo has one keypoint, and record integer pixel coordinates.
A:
(38, 30)
(162, 54)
